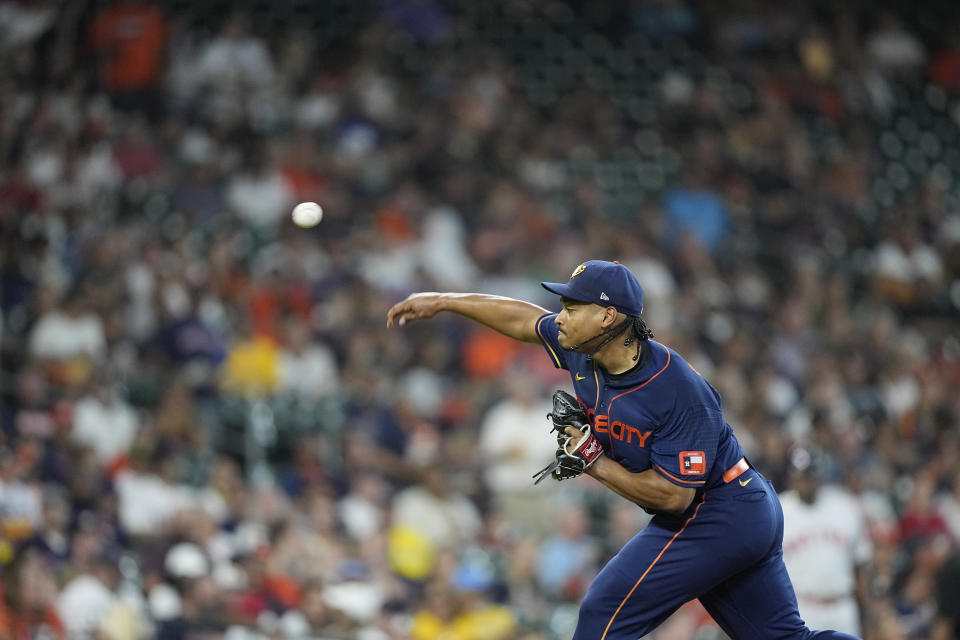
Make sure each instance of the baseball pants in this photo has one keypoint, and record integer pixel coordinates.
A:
(842, 614)
(727, 553)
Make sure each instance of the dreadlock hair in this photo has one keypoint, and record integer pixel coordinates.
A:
(639, 331)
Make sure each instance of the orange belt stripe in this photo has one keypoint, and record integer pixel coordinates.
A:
(736, 470)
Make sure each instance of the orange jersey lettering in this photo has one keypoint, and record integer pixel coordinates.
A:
(618, 430)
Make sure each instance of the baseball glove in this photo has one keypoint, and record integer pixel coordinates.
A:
(568, 413)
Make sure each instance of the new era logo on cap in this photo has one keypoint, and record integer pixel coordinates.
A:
(608, 284)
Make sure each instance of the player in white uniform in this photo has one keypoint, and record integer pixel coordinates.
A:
(825, 544)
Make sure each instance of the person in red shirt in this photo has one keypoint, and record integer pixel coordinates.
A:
(920, 522)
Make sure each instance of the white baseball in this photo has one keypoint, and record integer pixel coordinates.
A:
(307, 214)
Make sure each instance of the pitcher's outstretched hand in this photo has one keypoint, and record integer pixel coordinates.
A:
(417, 306)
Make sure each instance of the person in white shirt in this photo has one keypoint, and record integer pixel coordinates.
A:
(87, 599)
(307, 367)
(825, 545)
(260, 195)
(69, 331)
(232, 75)
(445, 517)
(104, 422)
(515, 440)
(236, 59)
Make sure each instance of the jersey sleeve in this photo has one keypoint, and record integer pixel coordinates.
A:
(547, 332)
(685, 449)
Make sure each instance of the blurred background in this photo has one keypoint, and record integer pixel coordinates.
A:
(207, 430)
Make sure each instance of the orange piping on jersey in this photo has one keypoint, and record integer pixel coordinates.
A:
(665, 365)
(655, 560)
(597, 381)
(547, 344)
(676, 479)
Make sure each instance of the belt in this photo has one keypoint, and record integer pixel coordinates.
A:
(736, 470)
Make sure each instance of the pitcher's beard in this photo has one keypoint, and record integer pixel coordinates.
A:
(607, 336)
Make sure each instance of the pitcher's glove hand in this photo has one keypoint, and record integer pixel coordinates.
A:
(571, 461)
(566, 412)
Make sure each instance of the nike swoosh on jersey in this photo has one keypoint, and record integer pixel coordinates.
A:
(744, 483)
(579, 377)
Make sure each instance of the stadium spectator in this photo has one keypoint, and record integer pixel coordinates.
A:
(568, 561)
(511, 440)
(104, 422)
(29, 597)
(129, 38)
(825, 546)
(437, 511)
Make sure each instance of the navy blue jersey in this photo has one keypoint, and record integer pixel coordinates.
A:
(660, 414)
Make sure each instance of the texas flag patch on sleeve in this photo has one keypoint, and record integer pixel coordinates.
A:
(693, 463)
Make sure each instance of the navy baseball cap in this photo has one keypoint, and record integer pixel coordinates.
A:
(608, 284)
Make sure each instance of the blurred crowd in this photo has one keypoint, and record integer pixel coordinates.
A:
(207, 430)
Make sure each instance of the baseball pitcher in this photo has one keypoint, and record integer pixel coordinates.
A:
(650, 428)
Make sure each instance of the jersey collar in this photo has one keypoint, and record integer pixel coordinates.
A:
(639, 373)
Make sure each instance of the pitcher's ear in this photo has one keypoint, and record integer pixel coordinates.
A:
(610, 316)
